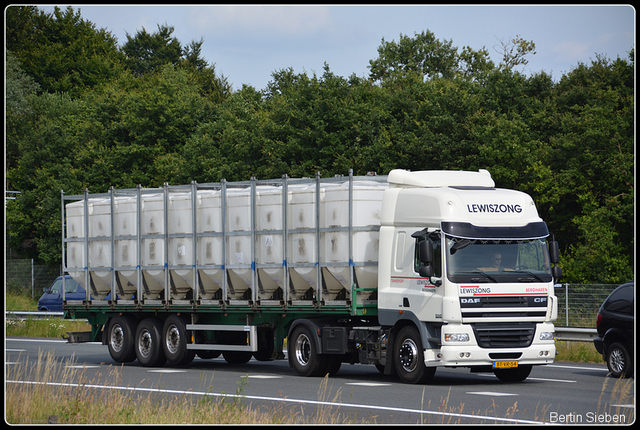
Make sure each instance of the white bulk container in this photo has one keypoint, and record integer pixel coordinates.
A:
(209, 220)
(153, 251)
(367, 206)
(269, 248)
(181, 248)
(238, 246)
(75, 250)
(100, 250)
(126, 224)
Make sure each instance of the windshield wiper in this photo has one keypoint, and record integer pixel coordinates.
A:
(529, 279)
(491, 278)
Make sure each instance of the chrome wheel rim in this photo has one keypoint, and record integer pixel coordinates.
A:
(117, 338)
(303, 349)
(408, 356)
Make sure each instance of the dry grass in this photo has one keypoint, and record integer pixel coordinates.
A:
(62, 393)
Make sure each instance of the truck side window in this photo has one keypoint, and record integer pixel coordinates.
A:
(434, 237)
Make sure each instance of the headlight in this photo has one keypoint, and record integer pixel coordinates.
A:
(456, 337)
(546, 335)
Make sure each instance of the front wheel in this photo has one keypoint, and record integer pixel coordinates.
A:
(517, 374)
(619, 361)
(303, 354)
(409, 357)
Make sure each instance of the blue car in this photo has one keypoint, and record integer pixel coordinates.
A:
(51, 300)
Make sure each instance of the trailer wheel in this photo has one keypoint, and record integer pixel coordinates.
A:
(148, 345)
(121, 338)
(409, 357)
(517, 374)
(303, 354)
(237, 357)
(175, 338)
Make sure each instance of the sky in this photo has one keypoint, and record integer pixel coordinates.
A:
(247, 43)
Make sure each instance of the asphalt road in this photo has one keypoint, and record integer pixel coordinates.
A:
(559, 393)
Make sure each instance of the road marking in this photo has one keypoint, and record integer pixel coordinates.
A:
(265, 376)
(532, 379)
(81, 366)
(368, 384)
(491, 393)
(289, 400)
(15, 350)
(551, 380)
(166, 371)
(604, 369)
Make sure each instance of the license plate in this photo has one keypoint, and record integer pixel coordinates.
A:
(505, 364)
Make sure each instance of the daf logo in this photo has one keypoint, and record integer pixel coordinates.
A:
(469, 300)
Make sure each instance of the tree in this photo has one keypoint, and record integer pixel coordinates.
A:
(61, 51)
(428, 57)
(146, 52)
(422, 54)
(514, 52)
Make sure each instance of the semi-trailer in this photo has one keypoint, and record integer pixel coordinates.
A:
(409, 272)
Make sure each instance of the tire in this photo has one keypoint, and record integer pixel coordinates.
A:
(121, 338)
(237, 357)
(208, 354)
(175, 337)
(517, 374)
(619, 361)
(148, 344)
(266, 345)
(303, 354)
(333, 365)
(409, 357)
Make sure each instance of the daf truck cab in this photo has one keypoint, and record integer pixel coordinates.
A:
(465, 275)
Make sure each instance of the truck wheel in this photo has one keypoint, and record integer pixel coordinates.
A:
(303, 354)
(409, 357)
(175, 337)
(619, 361)
(517, 374)
(121, 338)
(237, 357)
(208, 354)
(148, 344)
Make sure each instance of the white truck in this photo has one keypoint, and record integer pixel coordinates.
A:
(409, 272)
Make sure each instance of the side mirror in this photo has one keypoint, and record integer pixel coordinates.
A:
(426, 271)
(425, 250)
(556, 272)
(554, 252)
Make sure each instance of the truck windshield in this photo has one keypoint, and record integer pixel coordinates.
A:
(482, 260)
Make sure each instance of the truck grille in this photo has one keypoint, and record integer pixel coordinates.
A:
(504, 306)
(511, 335)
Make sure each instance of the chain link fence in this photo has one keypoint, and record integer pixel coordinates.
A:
(577, 303)
(25, 277)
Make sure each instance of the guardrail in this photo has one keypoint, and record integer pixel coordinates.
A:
(578, 334)
(23, 315)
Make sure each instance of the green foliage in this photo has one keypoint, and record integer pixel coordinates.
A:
(170, 118)
(61, 51)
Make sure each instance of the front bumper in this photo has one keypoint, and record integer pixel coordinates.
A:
(469, 354)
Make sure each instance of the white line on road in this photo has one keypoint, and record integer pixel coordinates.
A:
(287, 400)
(368, 384)
(491, 393)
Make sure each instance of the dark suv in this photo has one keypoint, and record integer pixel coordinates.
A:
(615, 330)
